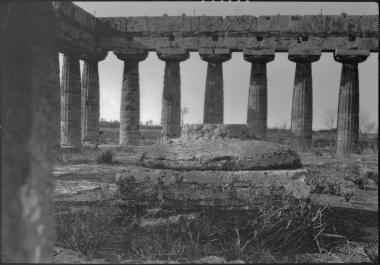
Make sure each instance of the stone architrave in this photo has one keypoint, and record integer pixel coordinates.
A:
(171, 98)
(29, 83)
(257, 110)
(130, 96)
(214, 96)
(348, 107)
(90, 97)
(302, 104)
(71, 109)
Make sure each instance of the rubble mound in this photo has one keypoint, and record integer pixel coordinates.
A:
(218, 154)
(216, 132)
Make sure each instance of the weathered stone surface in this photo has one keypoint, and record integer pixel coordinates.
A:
(216, 131)
(70, 101)
(257, 110)
(90, 102)
(171, 98)
(227, 155)
(214, 96)
(29, 83)
(219, 189)
(302, 104)
(130, 96)
(348, 107)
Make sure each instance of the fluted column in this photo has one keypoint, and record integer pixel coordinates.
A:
(214, 96)
(70, 101)
(130, 96)
(348, 107)
(171, 98)
(29, 84)
(257, 110)
(90, 97)
(302, 104)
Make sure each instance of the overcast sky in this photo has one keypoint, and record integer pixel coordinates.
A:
(326, 72)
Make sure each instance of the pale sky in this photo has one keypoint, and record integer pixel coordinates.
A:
(280, 72)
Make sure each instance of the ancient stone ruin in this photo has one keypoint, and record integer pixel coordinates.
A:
(32, 35)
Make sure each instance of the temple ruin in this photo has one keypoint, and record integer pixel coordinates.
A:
(31, 88)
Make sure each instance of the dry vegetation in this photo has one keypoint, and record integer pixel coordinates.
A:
(283, 230)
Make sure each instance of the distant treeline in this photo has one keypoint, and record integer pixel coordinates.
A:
(116, 124)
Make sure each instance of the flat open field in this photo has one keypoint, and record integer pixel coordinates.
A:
(338, 223)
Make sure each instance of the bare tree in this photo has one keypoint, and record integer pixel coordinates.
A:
(365, 125)
(184, 111)
(330, 118)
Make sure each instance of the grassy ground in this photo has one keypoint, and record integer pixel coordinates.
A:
(289, 230)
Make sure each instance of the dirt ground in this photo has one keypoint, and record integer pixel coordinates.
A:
(346, 190)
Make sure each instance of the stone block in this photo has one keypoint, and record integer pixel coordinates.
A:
(308, 23)
(304, 51)
(84, 18)
(334, 24)
(273, 23)
(206, 23)
(211, 51)
(370, 23)
(169, 24)
(240, 23)
(346, 52)
(258, 52)
(219, 154)
(136, 24)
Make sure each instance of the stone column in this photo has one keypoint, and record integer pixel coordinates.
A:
(257, 110)
(302, 104)
(90, 97)
(171, 98)
(29, 83)
(130, 96)
(70, 100)
(214, 98)
(348, 107)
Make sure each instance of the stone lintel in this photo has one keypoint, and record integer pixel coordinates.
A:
(172, 54)
(351, 56)
(94, 56)
(259, 55)
(215, 54)
(304, 54)
(131, 54)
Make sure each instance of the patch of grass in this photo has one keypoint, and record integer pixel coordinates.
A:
(287, 226)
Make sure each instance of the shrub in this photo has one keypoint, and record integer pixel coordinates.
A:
(105, 157)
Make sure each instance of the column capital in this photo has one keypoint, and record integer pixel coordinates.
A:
(215, 55)
(131, 54)
(94, 56)
(172, 54)
(259, 55)
(350, 56)
(307, 55)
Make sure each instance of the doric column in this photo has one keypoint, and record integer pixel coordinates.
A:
(90, 97)
(257, 110)
(29, 82)
(214, 98)
(70, 100)
(348, 107)
(302, 104)
(171, 98)
(130, 96)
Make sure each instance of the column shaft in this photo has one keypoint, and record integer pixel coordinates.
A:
(302, 105)
(257, 99)
(90, 102)
(348, 110)
(214, 98)
(171, 101)
(130, 105)
(70, 102)
(30, 120)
